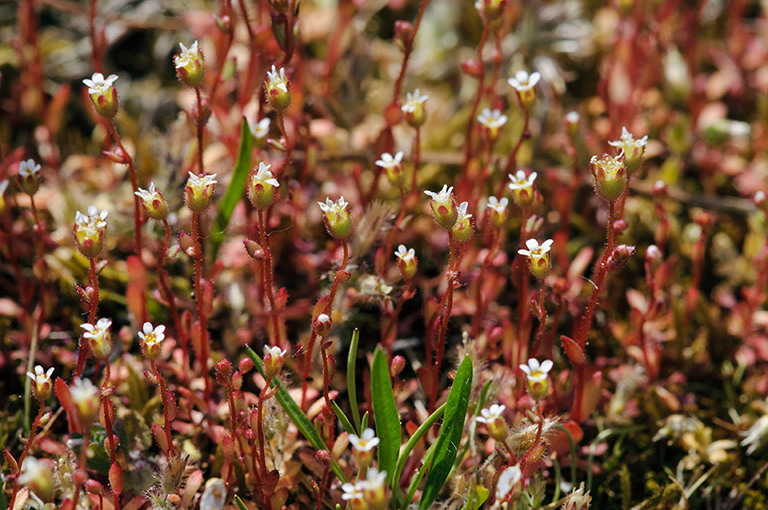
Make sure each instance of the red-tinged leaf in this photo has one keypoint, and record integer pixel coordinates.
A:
(228, 447)
(592, 393)
(207, 287)
(137, 273)
(116, 478)
(281, 298)
(134, 298)
(51, 446)
(135, 503)
(194, 482)
(11, 462)
(193, 397)
(270, 481)
(159, 434)
(425, 376)
(430, 308)
(56, 107)
(21, 499)
(187, 244)
(100, 265)
(573, 351)
(62, 393)
(196, 335)
(171, 404)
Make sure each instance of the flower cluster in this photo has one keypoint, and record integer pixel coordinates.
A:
(90, 231)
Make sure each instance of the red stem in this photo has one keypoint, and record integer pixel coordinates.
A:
(205, 347)
(165, 287)
(468, 149)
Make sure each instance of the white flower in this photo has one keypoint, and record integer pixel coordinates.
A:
(757, 435)
(260, 129)
(500, 206)
(274, 351)
(520, 180)
(387, 161)
(523, 82)
(148, 195)
(507, 481)
(353, 491)
(537, 373)
(491, 414)
(628, 139)
(27, 168)
(374, 478)
(367, 442)
(99, 330)
(152, 336)
(331, 208)
(188, 55)
(414, 101)
(86, 397)
(98, 85)
(40, 377)
(443, 196)
(492, 119)
(33, 470)
(572, 117)
(201, 182)
(264, 176)
(535, 249)
(277, 80)
(463, 215)
(407, 256)
(93, 221)
(214, 496)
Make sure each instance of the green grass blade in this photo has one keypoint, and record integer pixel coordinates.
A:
(448, 440)
(236, 188)
(296, 415)
(240, 503)
(343, 418)
(420, 432)
(419, 475)
(351, 386)
(385, 415)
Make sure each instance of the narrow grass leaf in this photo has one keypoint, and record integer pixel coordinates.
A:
(450, 433)
(343, 418)
(236, 189)
(240, 503)
(351, 383)
(420, 432)
(385, 414)
(296, 415)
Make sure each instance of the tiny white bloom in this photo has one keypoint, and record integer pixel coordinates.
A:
(274, 351)
(757, 435)
(572, 117)
(537, 373)
(100, 332)
(444, 195)
(414, 101)
(523, 81)
(83, 392)
(492, 119)
(331, 208)
(507, 481)
(491, 414)
(152, 336)
(405, 255)
(260, 129)
(214, 496)
(535, 249)
(201, 182)
(188, 55)
(500, 206)
(463, 215)
(628, 139)
(353, 491)
(98, 85)
(387, 161)
(375, 479)
(28, 168)
(367, 442)
(33, 470)
(265, 176)
(40, 377)
(277, 79)
(148, 195)
(520, 180)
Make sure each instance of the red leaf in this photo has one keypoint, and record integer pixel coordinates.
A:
(573, 351)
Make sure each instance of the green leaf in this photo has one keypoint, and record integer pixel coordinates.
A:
(236, 187)
(385, 415)
(476, 498)
(296, 415)
(420, 432)
(450, 433)
(343, 418)
(240, 503)
(351, 384)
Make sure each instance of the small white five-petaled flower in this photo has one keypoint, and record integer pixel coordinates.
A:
(414, 101)
(387, 161)
(152, 336)
(332, 208)
(492, 119)
(277, 79)
(40, 377)
(28, 168)
(520, 180)
(98, 85)
(148, 195)
(404, 255)
(260, 129)
(99, 331)
(366, 442)
(265, 176)
(535, 249)
(500, 206)
(188, 55)
(491, 414)
(274, 351)
(523, 82)
(537, 372)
